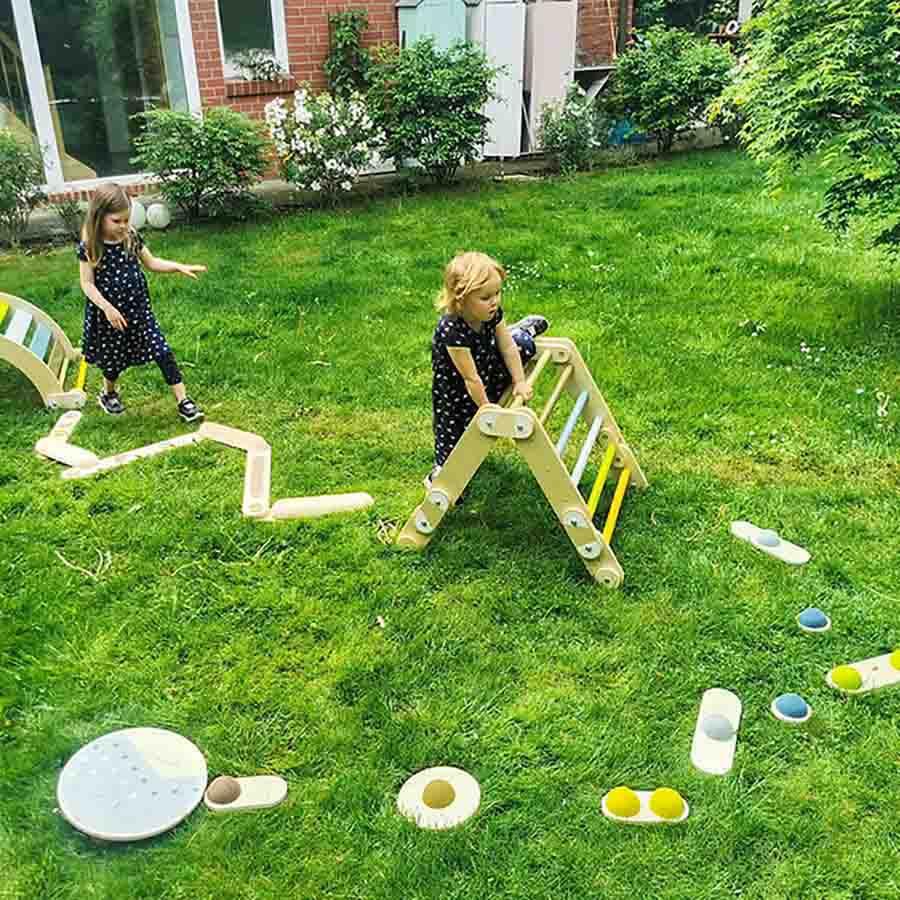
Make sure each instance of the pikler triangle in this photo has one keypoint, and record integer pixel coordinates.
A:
(529, 432)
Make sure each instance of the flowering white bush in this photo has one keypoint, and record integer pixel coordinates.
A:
(323, 142)
(569, 130)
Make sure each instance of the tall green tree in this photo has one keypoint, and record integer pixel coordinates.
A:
(823, 80)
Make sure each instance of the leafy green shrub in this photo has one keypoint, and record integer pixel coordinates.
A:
(429, 104)
(203, 165)
(822, 81)
(21, 178)
(348, 63)
(569, 131)
(323, 142)
(71, 215)
(665, 83)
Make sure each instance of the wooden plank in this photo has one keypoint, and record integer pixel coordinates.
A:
(40, 341)
(57, 358)
(18, 326)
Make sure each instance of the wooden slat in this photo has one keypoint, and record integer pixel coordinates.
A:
(57, 358)
(40, 341)
(618, 497)
(597, 489)
(18, 326)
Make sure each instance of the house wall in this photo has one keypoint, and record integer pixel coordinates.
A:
(307, 40)
(598, 30)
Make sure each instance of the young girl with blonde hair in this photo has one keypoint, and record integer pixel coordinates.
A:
(475, 356)
(120, 329)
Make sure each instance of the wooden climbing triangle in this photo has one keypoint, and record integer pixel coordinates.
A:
(529, 432)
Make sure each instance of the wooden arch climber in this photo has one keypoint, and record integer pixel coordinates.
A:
(32, 342)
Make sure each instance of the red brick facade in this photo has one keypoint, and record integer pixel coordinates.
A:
(598, 30)
(306, 23)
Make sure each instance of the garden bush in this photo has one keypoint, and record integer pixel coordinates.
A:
(821, 81)
(21, 178)
(323, 142)
(665, 84)
(71, 215)
(571, 131)
(205, 166)
(348, 63)
(429, 104)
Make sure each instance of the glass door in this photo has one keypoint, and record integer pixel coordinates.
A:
(103, 62)
(15, 105)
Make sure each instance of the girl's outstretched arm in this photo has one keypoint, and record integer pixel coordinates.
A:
(155, 264)
(461, 357)
(510, 353)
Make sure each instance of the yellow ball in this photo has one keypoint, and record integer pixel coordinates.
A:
(846, 678)
(895, 659)
(623, 801)
(666, 803)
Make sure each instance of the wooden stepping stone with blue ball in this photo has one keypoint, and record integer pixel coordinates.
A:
(770, 542)
(866, 675)
(664, 806)
(791, 708)
(813, 621)
(715, 736)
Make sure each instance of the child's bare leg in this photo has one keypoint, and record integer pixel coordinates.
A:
(179, 391)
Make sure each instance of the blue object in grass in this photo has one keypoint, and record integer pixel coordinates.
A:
(718, 727)
(792, 706)
(623, 132)
(812, 617)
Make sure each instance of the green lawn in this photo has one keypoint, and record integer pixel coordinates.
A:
(261, 642)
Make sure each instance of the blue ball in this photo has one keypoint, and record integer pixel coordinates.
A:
(811, 617)
(792, 706)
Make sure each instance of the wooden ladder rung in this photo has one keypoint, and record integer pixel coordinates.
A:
(616, 505)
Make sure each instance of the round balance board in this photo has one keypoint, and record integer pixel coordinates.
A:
(131, 784)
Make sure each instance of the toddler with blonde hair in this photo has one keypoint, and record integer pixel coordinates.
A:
(475, 356)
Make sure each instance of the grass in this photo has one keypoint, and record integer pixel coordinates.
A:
(261, 643)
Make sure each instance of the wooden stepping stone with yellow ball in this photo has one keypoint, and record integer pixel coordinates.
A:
(664, 806)
(866, 675)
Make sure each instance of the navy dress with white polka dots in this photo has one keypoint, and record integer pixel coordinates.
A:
(452, 407)
(120, 279)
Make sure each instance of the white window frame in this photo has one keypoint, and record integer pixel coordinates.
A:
(37, 94)
(279, 37)
(39, 99)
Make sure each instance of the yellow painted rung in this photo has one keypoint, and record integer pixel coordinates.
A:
(82, 376)
(557, 393)
(616, 505)
(597, 489)
(533, 376)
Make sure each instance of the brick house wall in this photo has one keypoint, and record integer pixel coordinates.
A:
(307, 41)
(598, 30)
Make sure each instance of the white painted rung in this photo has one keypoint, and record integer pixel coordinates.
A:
(18, 326)
(586, 449)
(571, 422)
